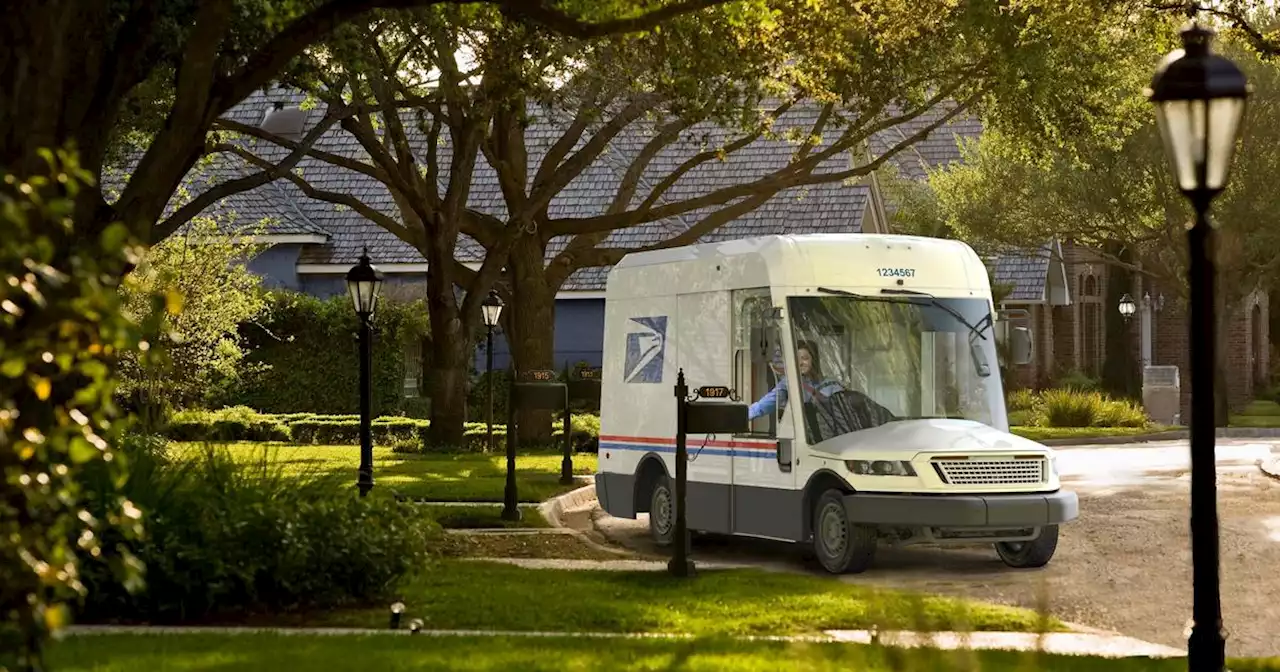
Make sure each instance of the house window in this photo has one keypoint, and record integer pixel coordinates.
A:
(1089, 325)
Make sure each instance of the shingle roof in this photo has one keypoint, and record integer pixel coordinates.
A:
(832, 207)
(1025, 271)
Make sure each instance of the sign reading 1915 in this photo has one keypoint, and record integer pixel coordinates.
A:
(896, 272)
(541, 375)
(589, 374)
(714, 392)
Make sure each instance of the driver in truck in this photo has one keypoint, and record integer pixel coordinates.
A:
(812, 382)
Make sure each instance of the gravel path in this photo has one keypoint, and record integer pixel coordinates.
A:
(1124, 566)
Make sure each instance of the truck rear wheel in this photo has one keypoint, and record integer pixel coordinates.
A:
(841, 546)
(1030, 554)
(662, 512)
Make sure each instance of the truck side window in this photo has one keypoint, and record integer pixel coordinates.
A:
(753, 353)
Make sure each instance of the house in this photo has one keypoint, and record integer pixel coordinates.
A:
(1058, 289)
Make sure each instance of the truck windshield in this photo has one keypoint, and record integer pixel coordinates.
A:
(869, 360)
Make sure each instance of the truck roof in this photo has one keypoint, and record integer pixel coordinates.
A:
(848, 260)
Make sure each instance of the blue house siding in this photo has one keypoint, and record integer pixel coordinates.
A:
(278, 266)
(579, 336)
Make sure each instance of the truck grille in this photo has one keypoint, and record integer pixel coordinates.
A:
(992, 472)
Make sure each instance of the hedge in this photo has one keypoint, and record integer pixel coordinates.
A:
(310, 351)
(244, 424)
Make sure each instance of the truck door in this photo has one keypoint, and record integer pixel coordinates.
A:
(703, 320)
(765, 500)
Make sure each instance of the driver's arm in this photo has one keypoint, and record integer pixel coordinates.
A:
(766, 404)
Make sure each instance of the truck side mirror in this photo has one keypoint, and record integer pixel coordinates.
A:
(1021, 346)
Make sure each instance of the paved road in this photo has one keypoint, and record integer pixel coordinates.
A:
(1125, 565)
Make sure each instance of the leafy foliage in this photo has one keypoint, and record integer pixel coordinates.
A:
(209, 293)
(1075, 408)
(305, 358)
(60, 329)
(225, 538)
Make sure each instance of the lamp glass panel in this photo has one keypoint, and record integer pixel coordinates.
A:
(1224, 124)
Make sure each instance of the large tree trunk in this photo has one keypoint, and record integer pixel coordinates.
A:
(532, 327)
(1120, 375)
(450, 346)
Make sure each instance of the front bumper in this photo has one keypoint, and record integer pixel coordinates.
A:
(967, 511)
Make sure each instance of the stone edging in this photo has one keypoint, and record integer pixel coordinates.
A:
(1270, 467)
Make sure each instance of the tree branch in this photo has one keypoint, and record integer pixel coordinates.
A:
(328, 157)
(559, 22)
(370, 213)
(567, 140)
(197, 205)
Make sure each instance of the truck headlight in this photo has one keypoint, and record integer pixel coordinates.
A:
(880, 467)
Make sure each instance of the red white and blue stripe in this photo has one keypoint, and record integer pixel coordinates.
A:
(733, 448)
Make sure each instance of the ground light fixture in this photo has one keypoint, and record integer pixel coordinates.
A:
(397, 610)
(1199, 100)
(364, 284)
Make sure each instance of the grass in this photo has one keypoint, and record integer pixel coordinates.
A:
(481, 516)
(452, 477)
(1258, 413)
(270, 652)
(1049, 433)
(469, 594)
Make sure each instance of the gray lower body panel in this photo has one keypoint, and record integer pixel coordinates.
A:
(616, 493)
(768, 512)
(971, 511)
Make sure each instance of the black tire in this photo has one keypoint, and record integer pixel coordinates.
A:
(1030, 554)
(840, 546)
(662, 512)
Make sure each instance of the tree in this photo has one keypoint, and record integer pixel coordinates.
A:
(657, 110)
(1115, 196)
(209, 294)
(151, 78)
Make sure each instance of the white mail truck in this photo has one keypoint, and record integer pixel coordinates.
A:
(877, 414)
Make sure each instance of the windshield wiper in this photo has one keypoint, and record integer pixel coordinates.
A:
(954, 313)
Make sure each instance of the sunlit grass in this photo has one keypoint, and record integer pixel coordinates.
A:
(449, 477)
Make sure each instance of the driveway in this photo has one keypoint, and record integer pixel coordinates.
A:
(1124, 565)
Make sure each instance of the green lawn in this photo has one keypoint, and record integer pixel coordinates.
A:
(1049, 433)
(468, 594)
(270, 652)
(461, 477)
(1259, 413)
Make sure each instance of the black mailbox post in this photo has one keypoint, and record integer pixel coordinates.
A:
(532, 390)
(697, 417)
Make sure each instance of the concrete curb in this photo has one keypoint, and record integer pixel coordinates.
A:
(1176, 435)
(553, 509)
(1270, 467)
(1053, 643)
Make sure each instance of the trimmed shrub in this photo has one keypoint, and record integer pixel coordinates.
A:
(309, 348)
(329, 432)
(226, 538)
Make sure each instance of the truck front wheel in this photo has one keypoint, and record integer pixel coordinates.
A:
(840, 546)
(1030, 554)
(662, 519)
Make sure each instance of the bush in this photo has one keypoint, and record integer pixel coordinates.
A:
(1022, 418)
(333, 432)
(62, 329)
(1021, 400)
(307, 351)
(225, 538)
(1071, 408)
(1122, 413)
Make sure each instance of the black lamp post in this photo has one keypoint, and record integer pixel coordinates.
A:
(1127, 307)
(492, 309)
(364, 283)
(1199, 98)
